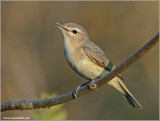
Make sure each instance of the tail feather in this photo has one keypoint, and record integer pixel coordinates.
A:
(130, 98)
(117, 83)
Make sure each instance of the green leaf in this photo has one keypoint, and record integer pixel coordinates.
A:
(56, 112)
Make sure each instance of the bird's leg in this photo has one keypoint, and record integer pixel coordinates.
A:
(92, 85)
(74, 93)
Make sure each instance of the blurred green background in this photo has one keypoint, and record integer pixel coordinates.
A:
(33, 61)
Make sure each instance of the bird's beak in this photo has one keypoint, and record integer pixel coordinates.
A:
(61, 27)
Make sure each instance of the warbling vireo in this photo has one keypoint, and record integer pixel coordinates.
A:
(88, 60)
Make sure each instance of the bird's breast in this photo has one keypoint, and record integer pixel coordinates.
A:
(82, 64)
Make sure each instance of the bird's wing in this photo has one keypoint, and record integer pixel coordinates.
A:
(98, 57)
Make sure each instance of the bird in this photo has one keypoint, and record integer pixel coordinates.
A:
(89, 60)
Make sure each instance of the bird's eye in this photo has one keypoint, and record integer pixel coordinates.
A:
(74, 31)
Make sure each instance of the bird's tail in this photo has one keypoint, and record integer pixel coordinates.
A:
(117, 83)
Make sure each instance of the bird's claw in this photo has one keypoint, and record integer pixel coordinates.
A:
(92, 85)
(74, 93)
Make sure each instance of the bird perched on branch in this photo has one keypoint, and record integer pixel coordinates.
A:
(89, 61)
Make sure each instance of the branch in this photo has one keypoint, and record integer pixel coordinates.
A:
(45, 103)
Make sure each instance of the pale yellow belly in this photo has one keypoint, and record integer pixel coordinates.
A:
(85, 67)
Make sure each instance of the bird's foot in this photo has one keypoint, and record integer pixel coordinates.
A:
(74, 93)
(92, 85)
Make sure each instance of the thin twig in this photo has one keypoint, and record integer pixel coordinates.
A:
(45, 103)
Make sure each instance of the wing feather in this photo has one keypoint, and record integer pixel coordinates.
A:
(98, 57)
